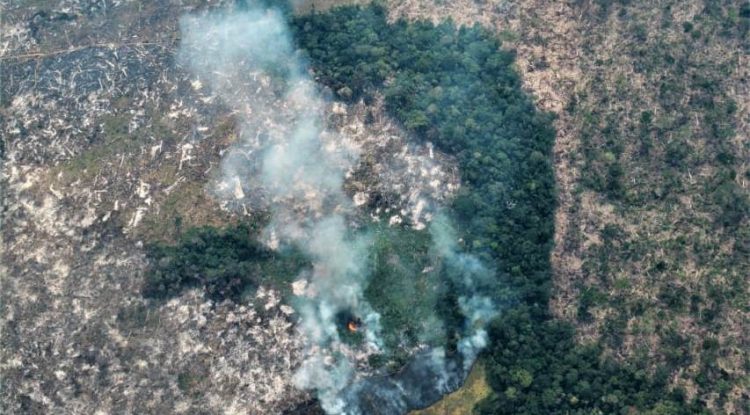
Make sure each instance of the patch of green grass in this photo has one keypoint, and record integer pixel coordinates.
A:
(462, 401)
(188, 206)
(115, 139)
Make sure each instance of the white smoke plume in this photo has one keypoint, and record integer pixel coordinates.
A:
(285, 155)
(432, 374)
(285, 161)
(475, 284)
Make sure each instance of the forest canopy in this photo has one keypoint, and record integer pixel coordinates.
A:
(457, 88)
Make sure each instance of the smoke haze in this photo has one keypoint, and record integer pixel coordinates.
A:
(285, 155)
(285, 161)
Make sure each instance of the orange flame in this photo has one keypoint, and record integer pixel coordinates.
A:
(352, 326)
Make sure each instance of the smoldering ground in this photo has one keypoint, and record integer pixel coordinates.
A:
(286, 161)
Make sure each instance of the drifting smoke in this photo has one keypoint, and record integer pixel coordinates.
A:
(474, 282)
(297, 167)
(432, 374)
(286, 161)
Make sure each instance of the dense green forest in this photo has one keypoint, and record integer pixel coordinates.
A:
(227, 263)
(456, 88)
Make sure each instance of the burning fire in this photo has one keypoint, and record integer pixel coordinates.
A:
(353, 326)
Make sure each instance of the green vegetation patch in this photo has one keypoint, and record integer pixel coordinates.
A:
(227, 263)
(537, 369)
(462, 401)
(406, 288)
